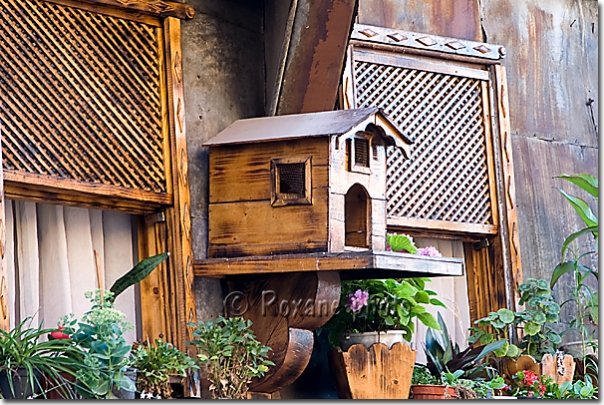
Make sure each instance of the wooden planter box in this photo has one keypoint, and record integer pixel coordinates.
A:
(374, 373)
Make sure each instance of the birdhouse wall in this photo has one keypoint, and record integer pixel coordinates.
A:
(242, 220)
(341, 179)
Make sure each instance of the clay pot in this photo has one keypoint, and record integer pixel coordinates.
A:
(428, 391)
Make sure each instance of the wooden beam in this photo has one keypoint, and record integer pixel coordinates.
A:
(4, 298)
(316, 58)
(395, 223)
(156, 8)
(510, 239)
(366, 262)
(48, 189)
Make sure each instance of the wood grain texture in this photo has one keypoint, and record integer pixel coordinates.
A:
(179, 216)
(510, 236)
(242, 172)
(397, 264)
(240, 228)
(550, 367)
(374, 373)
(157, 8)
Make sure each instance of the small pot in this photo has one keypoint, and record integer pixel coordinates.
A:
(123, 394)
(21, 386)
(429, 391)
(367, 339)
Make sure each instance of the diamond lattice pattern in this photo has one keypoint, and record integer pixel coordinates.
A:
(80, 95)
(446, 177)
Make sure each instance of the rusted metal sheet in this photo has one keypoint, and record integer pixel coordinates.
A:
(316, 56)
(448, 18)
(552, 66)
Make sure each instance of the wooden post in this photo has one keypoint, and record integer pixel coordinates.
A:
(178, 216)
(4, 310)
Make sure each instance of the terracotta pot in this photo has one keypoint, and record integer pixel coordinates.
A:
(427, 391)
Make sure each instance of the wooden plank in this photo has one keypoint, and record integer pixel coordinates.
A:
(510, 239)
(157, 315)
(179, 216)
(346, 261)
(110, 11)
(156, 8)
(4, 297)
(403, 223)
(487, 114)
(383, 58)
(242, 172)
(257, 223)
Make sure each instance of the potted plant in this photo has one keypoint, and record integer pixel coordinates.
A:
(424, 385)
(28, 362)
(232, 354)
(155, 363)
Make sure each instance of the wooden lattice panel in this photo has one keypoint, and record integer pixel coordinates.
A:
(446, 178)
(80, 96)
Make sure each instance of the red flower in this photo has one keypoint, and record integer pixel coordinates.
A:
(59, 335)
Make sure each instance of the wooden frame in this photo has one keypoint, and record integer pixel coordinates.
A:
(492, 250)
(280, 199)
(351, 146)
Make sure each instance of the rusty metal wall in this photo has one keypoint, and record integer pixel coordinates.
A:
(552, 72)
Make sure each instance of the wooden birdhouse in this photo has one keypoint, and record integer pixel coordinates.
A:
(301, 183)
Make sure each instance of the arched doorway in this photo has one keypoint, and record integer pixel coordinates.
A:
(357, 208)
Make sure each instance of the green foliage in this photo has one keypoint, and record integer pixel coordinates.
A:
(155, 363)
(232, 354)
(137, 274)
(481, 388)
(393, 304)
(445, 356)
(451, 379)
(21, 347)
(539, 337)
(104, 352)
(421, 375)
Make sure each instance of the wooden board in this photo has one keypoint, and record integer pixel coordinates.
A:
(4, 297)
(375, 373)
(259, 228)
(368, 264)
(242, 172)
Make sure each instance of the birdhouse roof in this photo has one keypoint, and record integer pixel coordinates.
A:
(296, 126)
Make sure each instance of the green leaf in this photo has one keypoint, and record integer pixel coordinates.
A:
(138, 273)
(401, 243)
(586, 181)
(532, 328)
(573, 236)
(486, 338)
(539, 318)
(560, 270)
(513, 351)
(422, 297)
(436, 301)
(582, 209)
(427, 319)
(506, 315)
(405, 290)
(553, 337)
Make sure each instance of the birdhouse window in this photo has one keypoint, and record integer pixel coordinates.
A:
(359, 151)
(291, 181)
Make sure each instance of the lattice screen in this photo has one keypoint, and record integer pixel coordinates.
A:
(446, 177)
(80, 95)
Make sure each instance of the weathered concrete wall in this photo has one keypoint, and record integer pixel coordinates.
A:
(552, 72)
(223, 69)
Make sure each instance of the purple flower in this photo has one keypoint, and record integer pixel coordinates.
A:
(357, 300)
(429, 251)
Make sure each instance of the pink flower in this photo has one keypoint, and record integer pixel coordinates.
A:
(357, 300)
(429, 251)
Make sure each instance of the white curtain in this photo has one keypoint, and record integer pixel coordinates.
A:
(453, 292)
(51, 262)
